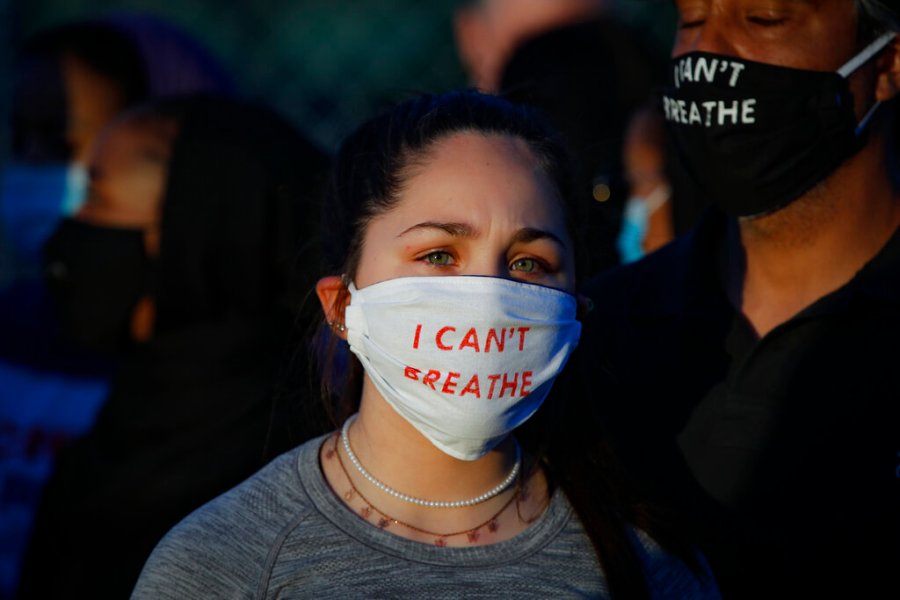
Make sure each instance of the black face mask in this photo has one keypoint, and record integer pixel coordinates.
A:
(96, 275)
(754, 136)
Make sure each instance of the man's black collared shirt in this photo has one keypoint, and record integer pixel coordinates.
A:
(786, 449)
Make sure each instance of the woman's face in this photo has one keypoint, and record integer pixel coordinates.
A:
(92, 101)
(476, 205)
(128, 170)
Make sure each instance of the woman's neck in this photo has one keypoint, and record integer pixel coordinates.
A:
(400, 457)
(396, 453)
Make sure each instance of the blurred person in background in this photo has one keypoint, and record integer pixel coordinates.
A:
(488, 32)
(188, 262)
(647, 222)
(748, 370)
(587, 71)
(663, 201)
(70, 81)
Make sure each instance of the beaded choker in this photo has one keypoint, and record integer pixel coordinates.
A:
(500, 487)
(440, 539)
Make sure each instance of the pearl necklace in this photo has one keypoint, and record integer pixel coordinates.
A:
(419, 501)
(384, 520)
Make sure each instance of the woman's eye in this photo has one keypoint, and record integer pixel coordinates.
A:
(525, 265)
(438, 258)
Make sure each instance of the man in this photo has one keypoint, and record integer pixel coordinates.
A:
(749, 371)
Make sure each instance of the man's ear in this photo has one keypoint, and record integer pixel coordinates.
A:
(888, 65)
(333, 296)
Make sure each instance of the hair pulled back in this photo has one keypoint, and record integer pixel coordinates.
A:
(368, 176)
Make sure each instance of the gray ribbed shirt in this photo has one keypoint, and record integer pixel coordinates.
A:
(284, 534)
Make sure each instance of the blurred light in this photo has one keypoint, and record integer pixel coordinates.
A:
(601, 191)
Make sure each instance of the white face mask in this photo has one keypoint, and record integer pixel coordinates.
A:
(464, 359)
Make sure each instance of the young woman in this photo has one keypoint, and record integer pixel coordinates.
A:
(454, 290)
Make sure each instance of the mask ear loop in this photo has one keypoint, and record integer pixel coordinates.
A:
(866, 118)
(856, 62)
(867, 53)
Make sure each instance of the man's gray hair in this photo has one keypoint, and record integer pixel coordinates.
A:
(877, 17)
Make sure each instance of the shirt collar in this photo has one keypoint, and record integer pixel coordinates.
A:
(879, 279)
(694, 281)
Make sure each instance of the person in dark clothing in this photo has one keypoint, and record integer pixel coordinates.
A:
(749, 369)
(589, 78)
(198, 295)
(648, 219)
(67, 83)
(586, 71)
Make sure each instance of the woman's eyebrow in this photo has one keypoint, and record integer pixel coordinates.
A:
(530, 234)
(522, 236)
(454, 229)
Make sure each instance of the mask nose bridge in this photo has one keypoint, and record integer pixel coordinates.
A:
(866, 54)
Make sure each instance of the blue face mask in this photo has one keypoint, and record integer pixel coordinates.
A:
(33, 199)
(630, 242)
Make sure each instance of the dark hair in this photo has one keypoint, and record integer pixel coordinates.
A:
(39, 105)
(372, 166)
(374, 161)
(876, 17)
(368, 174)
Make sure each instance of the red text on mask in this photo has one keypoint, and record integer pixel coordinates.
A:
(497, 385)
(494, 339)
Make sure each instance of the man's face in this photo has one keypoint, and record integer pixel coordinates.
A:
(807, 34)
(819, 35)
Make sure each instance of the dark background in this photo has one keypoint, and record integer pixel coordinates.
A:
(325, 64)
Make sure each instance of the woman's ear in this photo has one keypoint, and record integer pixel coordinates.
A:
(333, 296)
